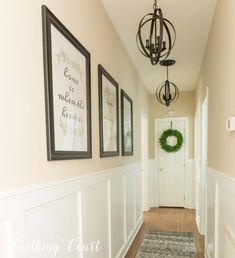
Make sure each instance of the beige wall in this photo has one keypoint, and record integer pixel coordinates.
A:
(184, 107)
(23, 129)
(218, 74)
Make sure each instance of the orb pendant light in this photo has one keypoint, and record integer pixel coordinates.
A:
(156, 36)
(168, 92)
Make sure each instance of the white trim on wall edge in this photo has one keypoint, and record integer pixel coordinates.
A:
(225, 178)
(37, 187)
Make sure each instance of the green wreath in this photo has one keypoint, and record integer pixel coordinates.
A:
(163, 140)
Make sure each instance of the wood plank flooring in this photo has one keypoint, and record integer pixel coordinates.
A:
(168, 219)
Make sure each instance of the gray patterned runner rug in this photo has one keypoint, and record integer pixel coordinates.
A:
(163, 244)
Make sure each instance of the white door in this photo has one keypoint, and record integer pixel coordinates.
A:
(171, 167)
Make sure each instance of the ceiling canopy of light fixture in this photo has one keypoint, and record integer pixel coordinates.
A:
(160, 36)
(168, 92)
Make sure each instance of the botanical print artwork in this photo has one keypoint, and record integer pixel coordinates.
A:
(69, 94)
(109, 115)
(127, 126)
(67, 91)
(64, 58)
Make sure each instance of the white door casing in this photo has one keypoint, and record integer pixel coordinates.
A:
(203, 180)
(144, 159)
(197, 169)
(171, 166)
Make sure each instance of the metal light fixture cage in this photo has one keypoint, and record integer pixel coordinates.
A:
(167, 93)
(160, 36)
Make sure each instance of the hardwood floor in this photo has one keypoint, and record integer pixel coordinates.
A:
(168, 219)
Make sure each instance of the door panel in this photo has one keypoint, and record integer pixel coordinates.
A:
(171, 168)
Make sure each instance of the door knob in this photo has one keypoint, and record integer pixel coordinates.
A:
(161, 169)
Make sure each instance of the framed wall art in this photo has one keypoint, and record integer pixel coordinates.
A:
(67, 91)
(108, 114)
(127, 124)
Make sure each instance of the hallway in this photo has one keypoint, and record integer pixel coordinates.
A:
(168, 219)
(90, 151)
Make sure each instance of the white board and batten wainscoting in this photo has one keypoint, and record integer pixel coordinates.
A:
(103, 211)
(220, 215)
(99, 213)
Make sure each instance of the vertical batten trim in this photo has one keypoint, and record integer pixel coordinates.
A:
(216, 219)
(9, 236)
(15, 205)
(124, 203)
(80, 227)
(135, 200)
(109, 219)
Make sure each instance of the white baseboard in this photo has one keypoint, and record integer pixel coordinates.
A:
(198, 222)
(130, 240)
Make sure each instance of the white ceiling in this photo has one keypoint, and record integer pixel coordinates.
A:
(192, 20)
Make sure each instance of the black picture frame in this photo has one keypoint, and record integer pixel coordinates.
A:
(126, 124)
(108, 114)
(67, 98)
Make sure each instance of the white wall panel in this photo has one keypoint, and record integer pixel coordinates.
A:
(6, 238)
(139, 196)
(117, 213)
(73, 215)
(53, 226)
(229, 244)
(221, 213)
(211, 216)
(95, 203)
(130, 205)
